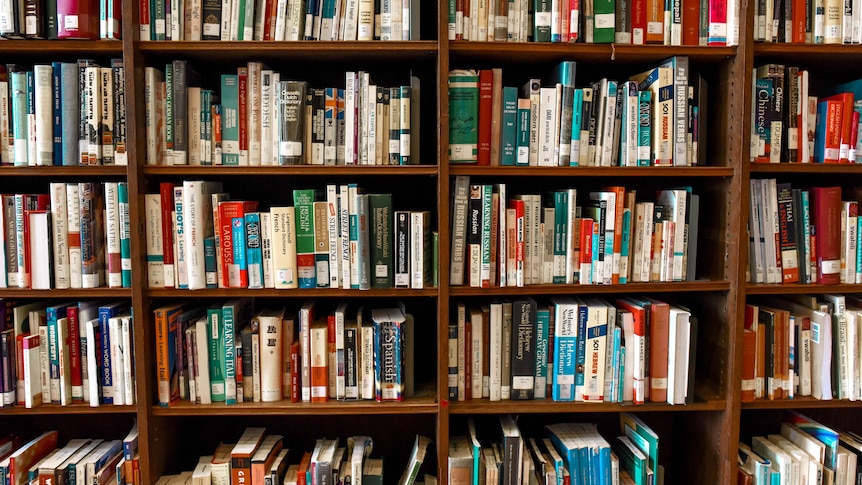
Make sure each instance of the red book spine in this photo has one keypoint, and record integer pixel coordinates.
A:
(166, 189)
(78, 19)
(832, 144)
(798, 21)
(144, 18)
(75, 351)
(242, 77)
(639, 23)
(586, 249)
(486, 91)
(839, 123)
(294, 372)
(43, 202)
(227, 211)
(846, 126)
(826, 202)
(574, 20)
(690, 22)
(718, 22)
(520, 235)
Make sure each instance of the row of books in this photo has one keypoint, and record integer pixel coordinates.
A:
(256, 117)
(608, 21)
(573, 453)
(791, 125)
(63, 113)
(66, 353)
(806, 345)
(41, 460)
(804, 451)
(259, 458)
(655, 118)
(40, 19)
(826, 22)
(610, 238)
(76, 236)
(198, 238)
(568, 349)
(279, 20)
(231, 353)
(804, 235)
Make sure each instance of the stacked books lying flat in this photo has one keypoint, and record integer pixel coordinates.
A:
(40, 19)
(803, 451)
(568, 349)
(77, 236)
(269, 458)
(341, 238)
(655, 118)
(259, 117)
(803, 23)
(63, 113)
(79, 461)
(612, 21)
(790, 124)
(280, 20)
(803, 235)
(67, 353)
(573, 453)
(532, 239)
(232, 353)
(803, 345)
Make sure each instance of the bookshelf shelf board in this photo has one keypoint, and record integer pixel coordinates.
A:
(794, 51)
(800, 402)
(298, 293)
(483, 406)
(685, 286)
(224, 51)
(60, 48)
(72, 293)
(334, 408)
(54, 171)
(295, 170)
(819, 168)
(797, 289)
(78, 408)
(545, 52)
(592, 171)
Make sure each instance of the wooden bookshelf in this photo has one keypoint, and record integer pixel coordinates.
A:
(710, 424)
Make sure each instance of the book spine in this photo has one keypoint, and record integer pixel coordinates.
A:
(105, 361)
(112, 235)
(523, 349)
(254, 250)
(306, 268)
(402, 249)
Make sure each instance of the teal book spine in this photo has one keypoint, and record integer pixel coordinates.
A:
(644, 128)
(228, 314)
(230, 119)
(125, 235)
(624, 248)
(522, 156)
(463, 116)
(541, 21)
(509, 133)
(561, 211)
(254, 250)
(577, 116)
(540, 385)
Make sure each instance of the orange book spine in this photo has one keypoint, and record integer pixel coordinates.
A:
(655, 22)
(690, 22)
(659, 335)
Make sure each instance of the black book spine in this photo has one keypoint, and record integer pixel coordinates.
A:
(523, 348)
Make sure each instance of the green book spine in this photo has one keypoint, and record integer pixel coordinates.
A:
(435, 259)
(230, 119)
(158, 19)
(303, 202)
(541, 21)
(561, 211)
(509, 134)
(233, 316)
(169, 110)
(604, 21)
(463, 116)
(216, 355)
(380, 208)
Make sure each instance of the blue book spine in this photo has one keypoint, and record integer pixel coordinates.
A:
(125, 234)
(621, 374)
(581, 356)
(18, 122)
(571, 457)
(52, 314)
(57, 105)
(624, 249)
(239, 243)
(540, 383)
(509, 134)
(105, 378)
(577, 115)
(253, 250)
(69, 120)
(605, 464)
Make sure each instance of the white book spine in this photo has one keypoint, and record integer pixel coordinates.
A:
(44, 115)
(365, 17)
(253, 113)
(59, 219)
(333, 223)
(112, 236)
(371, 135)
(280, 20)
(476, 354)
(6, 154)
(234, 14)
(266, 246)
(194, 125)
(266, 117)
(271, 345)
(44, 363)
(344, 234)
(295, 20)
(202, 379)
(155, 254)
(350, 117)
(118, 352)
(367, 359)
(93, 114)
(547, 122)
(340, 354)
(419, 232)
(128, 364)
(284, 247)
(92, 389)
(32, 375)
(194, 210)
(180, 214)
(594, 377)
(106, 114)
